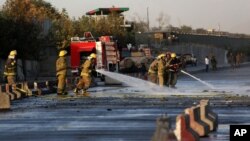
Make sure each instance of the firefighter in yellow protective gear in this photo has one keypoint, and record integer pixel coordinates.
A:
(161, 69)
(61, 72)
(173, 67)
(166, 75)
(10, 68)
(152, 71)
(85, 81)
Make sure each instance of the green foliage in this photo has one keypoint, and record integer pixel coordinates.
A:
(110, 25)
(82, 25)
(23, 28)
(22, 25)
(7, 41)
(201, 31)
(61, 30)
(186, 29)
(106, 25)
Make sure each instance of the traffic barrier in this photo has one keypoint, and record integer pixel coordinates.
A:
(209, 114)
(5, 89)
(43, 86)
(32, 88)
(163, 131)
(204, 117)
(4, 101)
(183, 132)
(196, 123)
(21, 88)
(12, 89)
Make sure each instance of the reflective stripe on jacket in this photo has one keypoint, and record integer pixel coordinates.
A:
(10, 67)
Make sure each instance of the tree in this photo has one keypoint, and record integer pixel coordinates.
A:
(140, 25)
(172, 28)
(82, 25)
(24, 20)
(27, 18)
(61, 30)
(186, 29)
(110, 25)
(7, 42)
(163, 20)
(201, 31)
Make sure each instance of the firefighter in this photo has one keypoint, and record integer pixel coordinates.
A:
(168, 60)
(152, 71)
(161, 69)
(85, 80)
(10, 68)
(173, 68)
(61, 71)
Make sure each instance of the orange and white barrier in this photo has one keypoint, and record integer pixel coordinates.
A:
(183, 132)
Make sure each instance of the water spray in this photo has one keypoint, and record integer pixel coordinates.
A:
(203, 82)
(141, 85)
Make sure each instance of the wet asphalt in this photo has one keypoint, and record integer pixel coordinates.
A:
(114, 113)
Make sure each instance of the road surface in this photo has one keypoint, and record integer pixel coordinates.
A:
(127, 113)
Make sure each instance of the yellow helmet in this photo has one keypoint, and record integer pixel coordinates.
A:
(173, 55)
(160, 56)
(62, 53)
(92, 55)
(13, 53)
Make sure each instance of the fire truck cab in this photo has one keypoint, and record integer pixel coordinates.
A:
(107, 54)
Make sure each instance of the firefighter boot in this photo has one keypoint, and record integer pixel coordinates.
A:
(65, 93)
(76, 91)
(59, 94)
(85, 93)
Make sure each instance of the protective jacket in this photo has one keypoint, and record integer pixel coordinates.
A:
(86, 68)
(161, 67)
(174, 65)
(10, 67)
(153, 67)
(61, 66)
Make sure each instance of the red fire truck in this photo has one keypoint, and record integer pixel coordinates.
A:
(107, 54)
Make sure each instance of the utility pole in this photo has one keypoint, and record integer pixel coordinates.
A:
(148, 19)
(219, 28)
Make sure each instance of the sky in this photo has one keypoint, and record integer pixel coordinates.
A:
(226, 15)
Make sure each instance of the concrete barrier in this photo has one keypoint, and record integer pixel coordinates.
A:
(4, 101)
(44, 87)
(163, 131)
(12, 90)
(32, 88)
(183, 132)
(26, 88)
(5, 89)
(209, 114)
(196, 123)
(21, 88)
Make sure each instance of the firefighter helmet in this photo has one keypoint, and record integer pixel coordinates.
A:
(160, 56)
(92, 55)
(13, 53)
(173, 55)
(168, 54)
(62, 53)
